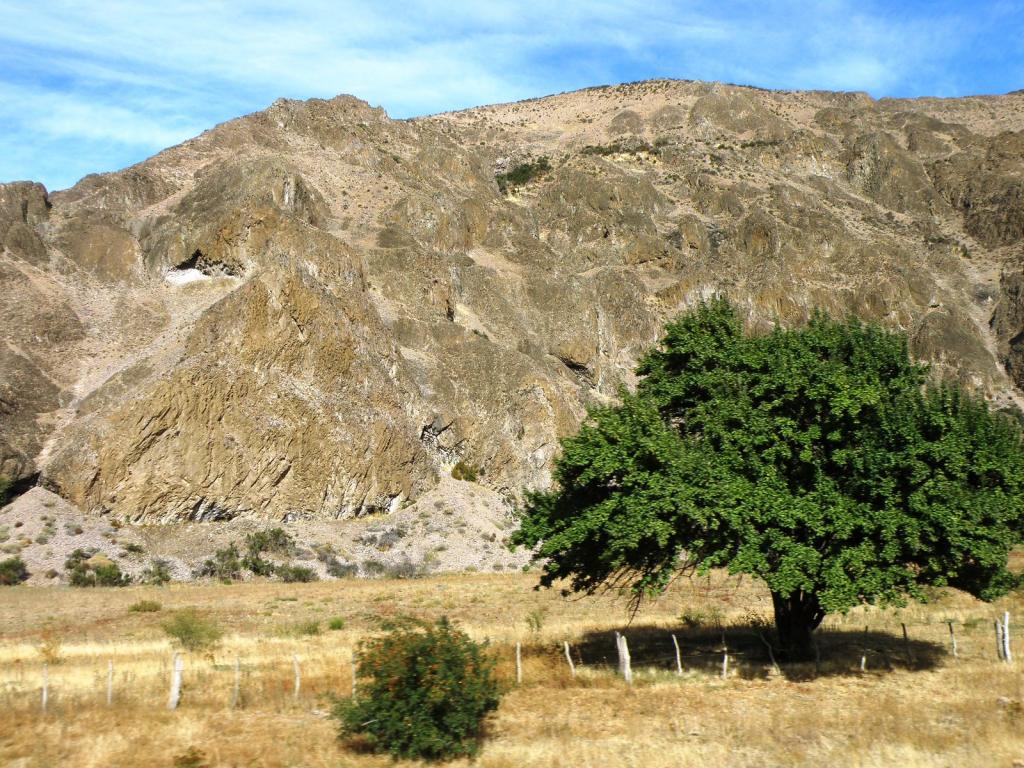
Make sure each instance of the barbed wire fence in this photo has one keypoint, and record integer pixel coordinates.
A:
(723, 652)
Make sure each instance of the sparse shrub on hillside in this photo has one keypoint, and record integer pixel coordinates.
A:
(225, 565)
(192, 632)
(335, 623)
(340, 570)
(132, 548)
(425, 691)
(144, 606)
(78, 557)
(13, 571)
(158, 572)
(274, 540)
(383, 540)
(89, 568)
(296, 573)
(465, 471)
(522, 174)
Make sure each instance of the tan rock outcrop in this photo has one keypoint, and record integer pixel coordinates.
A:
(315, 311)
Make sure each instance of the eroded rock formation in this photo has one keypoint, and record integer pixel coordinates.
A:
(317, 311)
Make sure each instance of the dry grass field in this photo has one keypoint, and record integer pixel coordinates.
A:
(913, 706)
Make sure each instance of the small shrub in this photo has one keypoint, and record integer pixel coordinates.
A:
(13, 571)
(109, 575)
(335, 623)
(340, 570)
(193, 632)
(274, 540)
(132, 548)
(405, 569)
(522, 174)
(694, 618)
(425, 692)
(158, 572)
(145, 606)
(87, 568)
(535, 619)
(296, 573)
(465, 471)
(225, 565)
(306, 628)
(78, 557)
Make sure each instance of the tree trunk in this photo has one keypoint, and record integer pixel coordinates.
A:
(796, 618)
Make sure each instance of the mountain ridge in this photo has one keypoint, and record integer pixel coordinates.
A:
(317, 311)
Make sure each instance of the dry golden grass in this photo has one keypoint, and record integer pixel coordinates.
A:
(928, 711)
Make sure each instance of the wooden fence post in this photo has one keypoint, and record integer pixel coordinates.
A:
(519, 663)
(46, 685)
(568, 657)
(864, 651)
(625, 668)
(906, 646)
(110, 682)
(236, 691)
(999, 640)
(355, 668)
(725, 658)
(178, 668)
(1007, 654)
(298, 676)
(679, 657)
(952, 639)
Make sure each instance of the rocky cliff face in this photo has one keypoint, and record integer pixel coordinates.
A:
(316, 311)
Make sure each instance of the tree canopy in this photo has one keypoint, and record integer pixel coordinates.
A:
(819, 459)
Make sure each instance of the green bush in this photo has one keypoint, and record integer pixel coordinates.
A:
(296, 573)
(424, 692)
(522, 174)
(306, 628)
(88, 568)
(274, 540)
(335, 623)
(340, 570)
(465, 471)
(13, 571)
(158, 572)
(193, 632)
(225, 565)
(144, 606)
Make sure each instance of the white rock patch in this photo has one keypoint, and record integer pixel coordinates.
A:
(184, 276)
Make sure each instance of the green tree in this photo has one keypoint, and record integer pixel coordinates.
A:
(817, 459)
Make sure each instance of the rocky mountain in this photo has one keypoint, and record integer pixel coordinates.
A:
(317, 312)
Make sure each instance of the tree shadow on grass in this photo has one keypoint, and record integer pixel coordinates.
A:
(701, 649)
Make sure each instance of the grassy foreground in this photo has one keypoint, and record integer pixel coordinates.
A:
(913, 706)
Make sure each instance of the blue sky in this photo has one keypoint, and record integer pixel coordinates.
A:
(96, 86)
